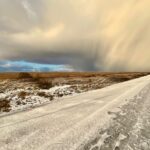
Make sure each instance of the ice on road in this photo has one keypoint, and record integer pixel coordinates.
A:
(112, 118)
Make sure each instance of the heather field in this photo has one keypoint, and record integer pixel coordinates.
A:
(21, 91)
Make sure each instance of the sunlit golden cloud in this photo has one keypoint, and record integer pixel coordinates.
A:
(103, 35)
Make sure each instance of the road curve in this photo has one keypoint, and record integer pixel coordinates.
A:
(73, 122)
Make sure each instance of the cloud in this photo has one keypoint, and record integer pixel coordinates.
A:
(89, 35)
(30, 12)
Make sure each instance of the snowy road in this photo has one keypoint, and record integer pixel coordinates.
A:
(105, 119)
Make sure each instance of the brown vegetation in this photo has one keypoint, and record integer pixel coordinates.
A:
(22, 94)
(24, 86)
(44, 83)
(24, 75)
(51, 75)
(45, 95)
(4, 105)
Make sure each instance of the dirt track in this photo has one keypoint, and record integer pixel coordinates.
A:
(129, 129)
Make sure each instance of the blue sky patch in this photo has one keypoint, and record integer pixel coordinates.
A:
(24, 66)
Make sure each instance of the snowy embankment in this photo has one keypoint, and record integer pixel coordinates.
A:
(23, 94)
(22, 99)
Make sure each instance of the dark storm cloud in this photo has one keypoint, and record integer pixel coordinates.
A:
(104, 35)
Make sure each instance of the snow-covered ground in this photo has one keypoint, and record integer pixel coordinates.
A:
(26, 93)
(22, 94)
(106, 119)
(21, 99)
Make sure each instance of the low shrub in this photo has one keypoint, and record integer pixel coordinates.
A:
(5, 105)
(22, 94)
(44, 84)
(119, 79)
(43, 94)
(24, 75)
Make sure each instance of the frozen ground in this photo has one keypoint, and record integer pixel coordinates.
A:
(129, 129)
(113, 118)
(22, 99)
(21, 94)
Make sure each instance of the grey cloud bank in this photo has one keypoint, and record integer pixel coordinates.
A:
(89, 35)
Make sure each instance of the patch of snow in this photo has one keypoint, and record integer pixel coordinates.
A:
(32, 98)
(120, 138)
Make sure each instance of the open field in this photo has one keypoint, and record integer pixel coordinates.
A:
(116, 117)
(128, 75)
(21, 91)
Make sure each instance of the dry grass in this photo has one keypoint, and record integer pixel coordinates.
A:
(22, 94)
(79, 82)
(24, 75)
(4, 105)
(71, 75)
(44, 83)
(43, 94)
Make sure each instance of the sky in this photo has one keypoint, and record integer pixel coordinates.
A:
(74, 35)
